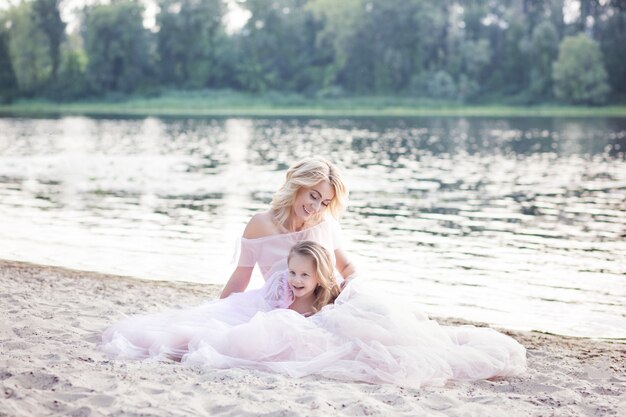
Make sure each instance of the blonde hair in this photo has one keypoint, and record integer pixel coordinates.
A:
(327, 289)
(308, 173)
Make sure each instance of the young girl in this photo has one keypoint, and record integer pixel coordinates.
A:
(307, 285)
(310, 278)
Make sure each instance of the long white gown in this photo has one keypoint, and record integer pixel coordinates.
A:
(358, 338)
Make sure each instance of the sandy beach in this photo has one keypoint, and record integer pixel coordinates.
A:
(50, 365)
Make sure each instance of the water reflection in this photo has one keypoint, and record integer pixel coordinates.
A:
(518, 222)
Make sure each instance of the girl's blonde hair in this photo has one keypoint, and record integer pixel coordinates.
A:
(327, 289)
(308, 173)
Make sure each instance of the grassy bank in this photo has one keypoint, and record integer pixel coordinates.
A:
(220, 103)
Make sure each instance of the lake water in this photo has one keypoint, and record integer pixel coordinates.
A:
(518, 222)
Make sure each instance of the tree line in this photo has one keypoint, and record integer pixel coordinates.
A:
(506, 51)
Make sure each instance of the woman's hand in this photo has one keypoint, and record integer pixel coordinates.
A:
(346, 280)
(345, 267)
(238, 281)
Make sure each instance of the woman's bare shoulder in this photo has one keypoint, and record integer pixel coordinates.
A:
(260, 225)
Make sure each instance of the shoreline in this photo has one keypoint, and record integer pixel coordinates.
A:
(49, 363)
(355, 108)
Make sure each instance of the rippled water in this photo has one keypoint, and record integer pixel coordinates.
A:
(517, 222)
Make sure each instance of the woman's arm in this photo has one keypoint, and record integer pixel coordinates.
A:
(344, 266)
(258, 226)
(238, 281)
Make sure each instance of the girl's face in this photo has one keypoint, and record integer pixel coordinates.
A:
(302, 275)
(314, 200)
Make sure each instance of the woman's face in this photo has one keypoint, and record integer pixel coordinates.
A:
(313, 200)
(302, 275)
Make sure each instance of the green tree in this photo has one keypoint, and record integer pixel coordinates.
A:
(613, 43)
(468, 50)
(117, 46)
(474, 14)
(339, 21)
(278, 48)
(8, 82)
(187, 41)
(544, 47)
(28, 49)
(48, 18)
(375, 42)
(432, 33)
(579, 74)
(392, 50)
(555, 14)
(476, 56)
(443, 86)
(71, 82)
(588, 9)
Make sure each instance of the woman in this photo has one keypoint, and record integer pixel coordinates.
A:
(313, 187)
(298, 213)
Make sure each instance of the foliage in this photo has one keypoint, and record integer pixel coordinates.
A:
(372, 55)
(339, 21)
(8, 82)
(510, 69)
(278, 48)
(117, 46)
(47, 17)
(71, 82)
(187, 42)
(544, 47)
(28, 49)
(438, 85)
(457, 50)
(579, 74)
(613, 44)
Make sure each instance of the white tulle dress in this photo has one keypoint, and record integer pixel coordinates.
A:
(358, 338)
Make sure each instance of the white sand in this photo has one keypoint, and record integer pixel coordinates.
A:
(49, 365)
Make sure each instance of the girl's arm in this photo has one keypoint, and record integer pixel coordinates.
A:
(238, 281)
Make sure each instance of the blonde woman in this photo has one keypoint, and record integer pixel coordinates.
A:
(306, 207)
(303, 209)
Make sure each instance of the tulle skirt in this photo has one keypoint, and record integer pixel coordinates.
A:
(359, 338)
